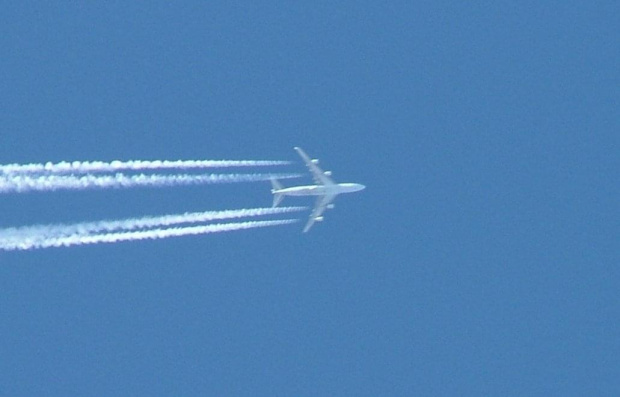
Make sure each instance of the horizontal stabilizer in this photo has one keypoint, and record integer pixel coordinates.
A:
(275, 184)
(277, 197)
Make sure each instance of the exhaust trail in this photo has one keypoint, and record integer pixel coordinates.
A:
(68, 241)
(21, 183)
(85, 167)
(13, 237)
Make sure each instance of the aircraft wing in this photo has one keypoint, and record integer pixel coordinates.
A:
(317, 173)
(319, 208)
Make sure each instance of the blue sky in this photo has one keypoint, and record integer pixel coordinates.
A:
(482, 259)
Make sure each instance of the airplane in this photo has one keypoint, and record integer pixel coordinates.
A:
(325, 189)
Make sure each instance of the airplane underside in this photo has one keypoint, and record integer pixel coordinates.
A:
(325, 190)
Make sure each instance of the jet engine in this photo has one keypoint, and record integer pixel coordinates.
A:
(318, 219)
(315, 161)
(330, 206)
(327, 173)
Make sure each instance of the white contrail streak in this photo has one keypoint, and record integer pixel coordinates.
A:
(14, 237)
(67, 241)
(85, 167)
(20, 183)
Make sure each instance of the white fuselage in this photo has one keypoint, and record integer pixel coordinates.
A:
(320, 190)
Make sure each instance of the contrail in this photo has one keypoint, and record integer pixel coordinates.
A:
(21, 183)
(67, 241)
(85, 167)
(14, 237)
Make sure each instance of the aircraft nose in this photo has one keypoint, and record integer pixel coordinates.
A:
(362, 187)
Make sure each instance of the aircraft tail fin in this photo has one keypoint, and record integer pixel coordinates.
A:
(277, 197)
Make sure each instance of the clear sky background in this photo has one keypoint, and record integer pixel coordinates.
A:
(482, 259)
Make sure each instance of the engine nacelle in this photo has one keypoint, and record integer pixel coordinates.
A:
(327, 173)
(315, 161)
(319, 219)
(330, 206)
